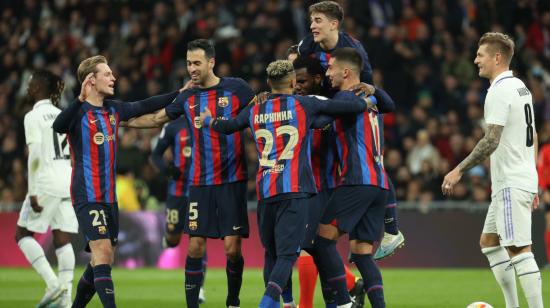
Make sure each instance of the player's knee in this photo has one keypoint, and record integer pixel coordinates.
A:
(232, 253)
(515, 250)
(172, 240)
(197, 247)
(488, 240)
(60, 239)
(288, 257)
(21, 233)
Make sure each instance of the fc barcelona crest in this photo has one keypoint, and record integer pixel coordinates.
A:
(112, 119)
(193, 225)
(223, 101)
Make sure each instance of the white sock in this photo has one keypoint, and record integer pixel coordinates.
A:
(499, 261)
(35, 255)
(66, 260)
(529, 277)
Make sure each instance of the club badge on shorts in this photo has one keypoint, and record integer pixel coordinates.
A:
(193, 225)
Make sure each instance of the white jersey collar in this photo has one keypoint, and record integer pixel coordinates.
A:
(501, 76)
(41, 102)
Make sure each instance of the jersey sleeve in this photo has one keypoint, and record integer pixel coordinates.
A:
(322, 120)
(385, 103)
(232, 125)
(244, 92)
(366, 70)
(135, 109)
(163, 143)
(344, 103)
(304, 47)
(66, 117)
(497, 106)
(33, 133)
(177, 107)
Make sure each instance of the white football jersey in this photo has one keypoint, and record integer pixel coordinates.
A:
(509, 104)
(53, 176)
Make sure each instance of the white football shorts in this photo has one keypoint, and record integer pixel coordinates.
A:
(509, 216)
(58, 213)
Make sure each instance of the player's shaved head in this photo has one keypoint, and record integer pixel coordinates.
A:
(203, 44)
(280, 73)
(88, 66)
(350, 57)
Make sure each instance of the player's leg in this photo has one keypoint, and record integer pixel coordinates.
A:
(199, 223)
(28, 223)
(266, 216)
(364, 234)
(514, 228)
(202, 296)
(339, 217)
(546, 202)
(232, 215)
(63, 224)
(175, 211)
(288, 299)
(393, 238)
(307, 276)
(356, 287)
(289, 232)
(499, 260)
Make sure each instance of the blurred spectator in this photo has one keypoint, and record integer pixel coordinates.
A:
(421, 51)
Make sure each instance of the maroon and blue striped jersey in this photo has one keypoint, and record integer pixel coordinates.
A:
(308, 47)
(176, 135)
(359, 142)
(92, 133)
(281, 130)
(216, 158)
(324, 157)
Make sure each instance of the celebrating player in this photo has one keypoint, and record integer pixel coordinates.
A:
(281, 129)
(510, 140)
(48, 202)
(91, 123)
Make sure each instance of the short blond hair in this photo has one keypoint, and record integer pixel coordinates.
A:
(89, 65)
(498, 42)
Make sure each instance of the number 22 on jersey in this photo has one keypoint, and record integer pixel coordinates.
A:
(288, 151)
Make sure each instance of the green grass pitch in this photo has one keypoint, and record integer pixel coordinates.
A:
(164, 288)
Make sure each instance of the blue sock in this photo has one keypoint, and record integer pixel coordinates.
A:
(104, 287)
(234, 271)
(268, 302)
(328, 258)
(372, 278)
(390, 219)
(287, 291)
(279, 276)
(85, 289)
(193, 280)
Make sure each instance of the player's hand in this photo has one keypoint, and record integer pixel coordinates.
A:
(536, 202)
(260, 98)
(174, 172)
(450, 181)
(86, 88)
(187, 85)
(34, 204)
(363, 89)
(204, 115)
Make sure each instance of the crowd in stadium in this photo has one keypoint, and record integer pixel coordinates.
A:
(421, 51)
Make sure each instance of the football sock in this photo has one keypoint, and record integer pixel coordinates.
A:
(234, 271)
(287, 291)
(85, 289)
(35, 255)
(307, 275)
(350, 278)
(204, 264)
(547, 241)
(499, 261)
(329, 259)
(279, 276)
(529, 278)
(104, 287)
(371, 277)
(390, 219)
(193, 280)
(66, 260)
(269, 302)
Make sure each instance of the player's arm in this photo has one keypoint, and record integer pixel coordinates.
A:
(163, 144)
(135, 109)
(226, 126)
(341, 104)
(483, 149)
(321, 121)
(366, 70)
(150, 120)
(33, 138)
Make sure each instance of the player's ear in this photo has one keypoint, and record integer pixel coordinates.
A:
(211, 63)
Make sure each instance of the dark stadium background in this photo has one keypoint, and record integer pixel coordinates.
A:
(422, 53)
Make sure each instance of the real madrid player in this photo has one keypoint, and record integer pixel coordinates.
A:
(91, 123)
(47, 203)
(510, 140)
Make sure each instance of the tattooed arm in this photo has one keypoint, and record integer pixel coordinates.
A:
(483, 149)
